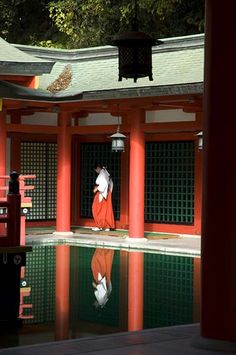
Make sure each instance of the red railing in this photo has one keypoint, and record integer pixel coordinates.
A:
(26, 202)
(14, 226)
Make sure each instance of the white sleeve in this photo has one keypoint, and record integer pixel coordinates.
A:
(111, 185)
(102, 183)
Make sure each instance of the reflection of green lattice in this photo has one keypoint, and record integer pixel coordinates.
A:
(169, 182)
(109, 315)
(168, 290)
(40, 276)
(92, 153)
(40, 158)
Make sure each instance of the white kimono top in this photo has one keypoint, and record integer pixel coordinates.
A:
(104, 182)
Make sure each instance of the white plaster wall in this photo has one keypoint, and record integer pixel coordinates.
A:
(40, 118)
(169, 116)
(96, 119)
(93, 119)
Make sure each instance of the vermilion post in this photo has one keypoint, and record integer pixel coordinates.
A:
(63, 217)
(137, 173)
(198, 189)
(3, 140)
(62, 291)
(135, 291)
(218, 316)
(14, 222)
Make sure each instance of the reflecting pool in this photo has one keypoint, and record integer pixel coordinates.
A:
(71, 292)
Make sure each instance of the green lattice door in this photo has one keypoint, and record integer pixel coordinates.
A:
(168, 290)
(92, 153)
(169, 182)
(40, 158)
(40, 276)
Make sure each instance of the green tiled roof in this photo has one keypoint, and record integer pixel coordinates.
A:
(15, 62)
(177, 69)
(172, 65)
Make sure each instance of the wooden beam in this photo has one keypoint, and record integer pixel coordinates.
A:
(166, 127)
(99, 129)
(32, 128)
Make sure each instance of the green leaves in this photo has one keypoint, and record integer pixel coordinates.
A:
(85, 23)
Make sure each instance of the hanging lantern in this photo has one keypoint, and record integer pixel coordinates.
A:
(135, 55)
(200, 140)
(135, 51)
(118, 139)
(118, 142)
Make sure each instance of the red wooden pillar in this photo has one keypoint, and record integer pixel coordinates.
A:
(135, 291)
(62, 291)
(124, 190)
(3, 140)
(198, 188)
(218, 316)
(63, 217)
(16, 145)
(137, 173)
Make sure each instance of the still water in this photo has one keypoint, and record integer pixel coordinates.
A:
(71, 292)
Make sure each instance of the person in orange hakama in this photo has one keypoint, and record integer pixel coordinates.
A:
(101, 266)
(102, 209)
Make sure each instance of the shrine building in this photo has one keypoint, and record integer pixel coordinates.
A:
(58, 109)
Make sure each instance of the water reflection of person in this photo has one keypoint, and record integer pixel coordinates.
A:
(102, 209)
(101, 266)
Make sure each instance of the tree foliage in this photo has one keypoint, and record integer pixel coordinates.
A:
(26, 21)
(86, 23)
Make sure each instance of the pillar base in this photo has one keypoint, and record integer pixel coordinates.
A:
(63, 234)
(214, 344)
(136, 240)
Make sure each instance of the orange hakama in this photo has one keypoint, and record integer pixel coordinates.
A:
(102, 264)
(103, 212)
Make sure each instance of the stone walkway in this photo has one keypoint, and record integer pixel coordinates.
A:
(178, 340)
(155, 242)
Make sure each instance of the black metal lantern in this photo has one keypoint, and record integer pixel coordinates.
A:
(135, 52)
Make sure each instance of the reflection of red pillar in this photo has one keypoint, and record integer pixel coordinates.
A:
(135, 291)
(3, 139)
(218, 316)
(62, 291)
(136, 180)
(64, 175)
(123, 287)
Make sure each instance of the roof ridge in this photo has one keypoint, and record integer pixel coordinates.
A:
(102, 52)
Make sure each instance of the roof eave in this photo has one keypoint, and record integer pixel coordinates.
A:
(16, 92)
(27, 68)
(149, 91)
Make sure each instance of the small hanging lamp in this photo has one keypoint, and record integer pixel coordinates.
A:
(135, 52)
(200, 140)
(118, 139)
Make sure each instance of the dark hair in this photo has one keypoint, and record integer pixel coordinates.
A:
(98, 165)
